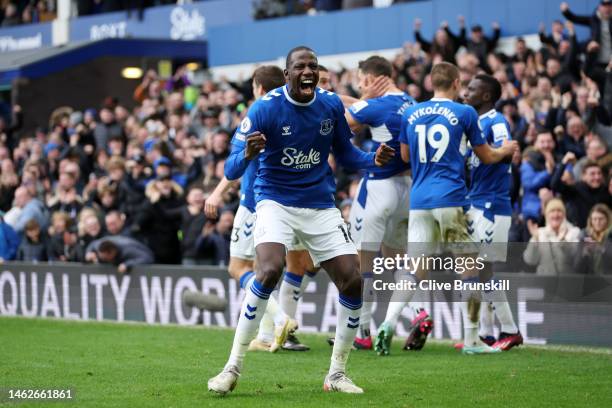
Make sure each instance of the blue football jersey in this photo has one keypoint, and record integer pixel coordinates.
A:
(293, 168)
(384, 117)
(436, 133)
(490, 183)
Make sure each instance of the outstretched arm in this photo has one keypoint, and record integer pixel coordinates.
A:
(574, 18)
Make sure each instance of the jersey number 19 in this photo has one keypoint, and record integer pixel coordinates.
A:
(429, 136)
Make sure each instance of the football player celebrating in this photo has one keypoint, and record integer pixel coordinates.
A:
(379, 215)
(433, 138)
(291, 132)
(242, 249)
(489, 217)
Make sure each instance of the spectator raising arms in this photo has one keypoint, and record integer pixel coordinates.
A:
(160, 219)
(580, 196)
(536, 171)
(215, 239)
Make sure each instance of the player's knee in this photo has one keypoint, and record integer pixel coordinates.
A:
(269, 273)
(352, 284)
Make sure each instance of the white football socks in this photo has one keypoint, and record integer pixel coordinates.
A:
(470, 308)
(251, 313)
(502, 310)
(349, 310)
(289, 293)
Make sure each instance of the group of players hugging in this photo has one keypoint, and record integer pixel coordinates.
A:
(412, 198)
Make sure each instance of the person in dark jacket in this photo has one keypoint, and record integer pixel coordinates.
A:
(442, 44)
(66, 247)
(123, 252)
(107, 128)
(573, 139)
(132, 187)
(33, 248)
(478, 43)
(214, 243)
(556, 34)
(599, 23)
(160, 220)
(580, 196)
(192, 222)
(114, 223)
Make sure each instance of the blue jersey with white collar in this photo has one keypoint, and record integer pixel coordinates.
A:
(436, 133)
(293, 168)
(490, 183)
(384, 117)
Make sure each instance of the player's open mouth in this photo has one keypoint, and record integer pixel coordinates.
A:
(307, 86)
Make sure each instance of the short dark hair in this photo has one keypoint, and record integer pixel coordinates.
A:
(294, 50)
(269, 77)
(108, 246)
(115, 212)
(376, 66)
(590, 163)
(492, 85)
(443, 74)
(32, 225)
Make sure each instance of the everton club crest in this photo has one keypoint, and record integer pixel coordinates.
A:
(327, 126)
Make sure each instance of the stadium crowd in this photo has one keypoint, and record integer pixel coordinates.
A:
(128, 186)
(279, 8)
(13, 13)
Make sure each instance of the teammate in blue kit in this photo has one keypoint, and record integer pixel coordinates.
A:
(434, 136)
(489, 217)
(379, 215)
(291, 131)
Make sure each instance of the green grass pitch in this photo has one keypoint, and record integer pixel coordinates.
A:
(134, 365)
